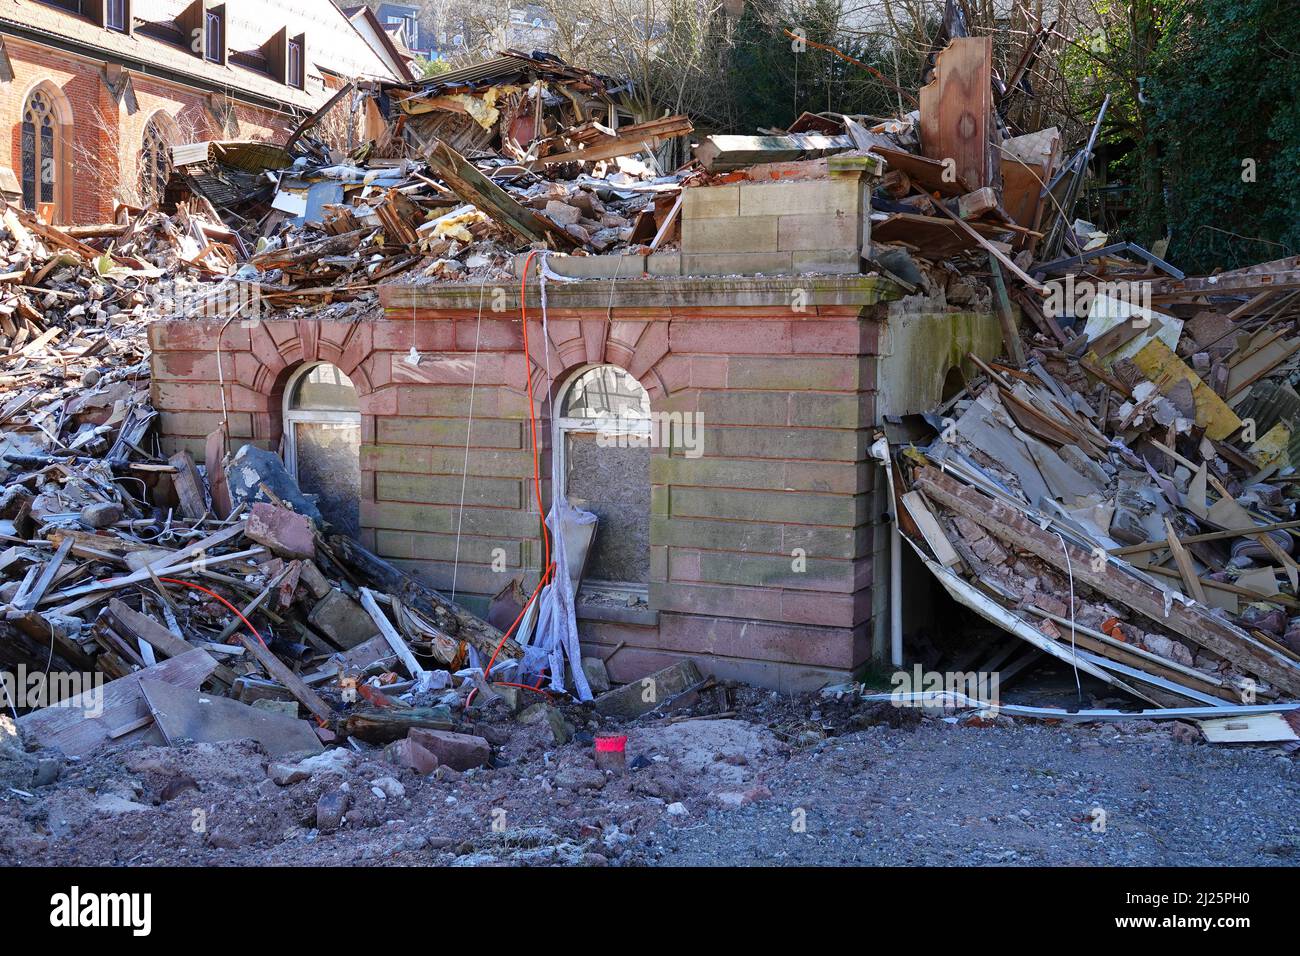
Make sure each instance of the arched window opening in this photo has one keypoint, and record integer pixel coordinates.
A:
(322, 431)
(953, 383)
(603, 438)
(155, 162)
(40, 144)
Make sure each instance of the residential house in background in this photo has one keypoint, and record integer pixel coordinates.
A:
(402, 22)
(388, 43)
(95, 92)
(530, 27)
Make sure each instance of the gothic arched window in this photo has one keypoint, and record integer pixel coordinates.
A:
(40, 132)
(155, 163)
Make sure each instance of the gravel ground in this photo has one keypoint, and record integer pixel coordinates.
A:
(788, 782)
(1021, 796)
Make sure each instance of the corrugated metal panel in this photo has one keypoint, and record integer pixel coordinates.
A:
(1269, 403)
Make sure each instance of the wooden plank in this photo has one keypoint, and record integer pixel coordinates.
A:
(669, 221)
(1106, 646)
(171, 564)
(1249, 529)
(214, 451)
(1184, 562)
(473, 187)
(957, 108)
(390, 633)
(188, 485)
(291, 681)
(131, 623)
(31, 598)
(1195, 623)
(1165, 290)
(1010, 334)
(930, 174)
(1255, 729)
(994, 251)
(627, 140)
(90, 720)
(931, 530)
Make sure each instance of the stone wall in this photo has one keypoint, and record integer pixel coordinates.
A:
(761, 548)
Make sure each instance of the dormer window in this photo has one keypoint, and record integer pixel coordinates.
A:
(294, 67)
(72, 6)
(116, 16)
(213, 34)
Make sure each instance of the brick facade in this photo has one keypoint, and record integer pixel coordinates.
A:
(787, 398)
(102, 132)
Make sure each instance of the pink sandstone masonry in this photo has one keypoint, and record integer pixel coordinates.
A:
(787, 394)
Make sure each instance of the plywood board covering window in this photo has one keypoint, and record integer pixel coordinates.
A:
(322, 430)
(603, 436)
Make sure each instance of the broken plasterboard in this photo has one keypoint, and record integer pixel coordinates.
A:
(1105, 313)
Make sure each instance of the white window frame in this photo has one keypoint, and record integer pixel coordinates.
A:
(562, 426)
(293, 416)
(589, 426)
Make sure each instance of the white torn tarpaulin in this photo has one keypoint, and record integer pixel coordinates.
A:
(553, 643)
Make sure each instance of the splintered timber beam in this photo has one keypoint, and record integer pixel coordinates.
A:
(625, 141)
(1012, 525)
(473, 187)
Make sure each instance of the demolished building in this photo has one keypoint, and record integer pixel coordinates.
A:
(497, 404)
(746, 318)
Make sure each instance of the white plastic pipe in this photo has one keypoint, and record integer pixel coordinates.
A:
(895, 593)
(880, 452)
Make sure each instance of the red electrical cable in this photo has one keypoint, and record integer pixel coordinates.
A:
(537, 478)
(532, 413)
(199, 587)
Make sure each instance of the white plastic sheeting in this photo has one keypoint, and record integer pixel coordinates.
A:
(554, 641)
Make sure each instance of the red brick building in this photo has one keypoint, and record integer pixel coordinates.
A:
(93, 93)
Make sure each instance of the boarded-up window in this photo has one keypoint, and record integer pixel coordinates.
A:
(323, 442)
(604, 436)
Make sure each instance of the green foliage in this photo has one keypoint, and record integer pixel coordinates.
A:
(426, 68)
(1223, 98)
(771, 81)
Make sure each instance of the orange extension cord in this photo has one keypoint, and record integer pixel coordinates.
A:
(537, 487)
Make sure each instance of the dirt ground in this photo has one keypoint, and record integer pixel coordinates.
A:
(787, 781)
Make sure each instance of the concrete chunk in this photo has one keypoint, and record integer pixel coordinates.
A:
(286, 533)
(644, 695)
(342, 620)
(458, 751)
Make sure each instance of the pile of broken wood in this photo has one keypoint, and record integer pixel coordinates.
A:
(263, 607)
(1113, 509)
(160, 576)
(455, 175)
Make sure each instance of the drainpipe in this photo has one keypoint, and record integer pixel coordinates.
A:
(880, 452)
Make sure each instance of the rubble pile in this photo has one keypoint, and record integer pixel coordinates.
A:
(461, 172)
(1121, 494)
